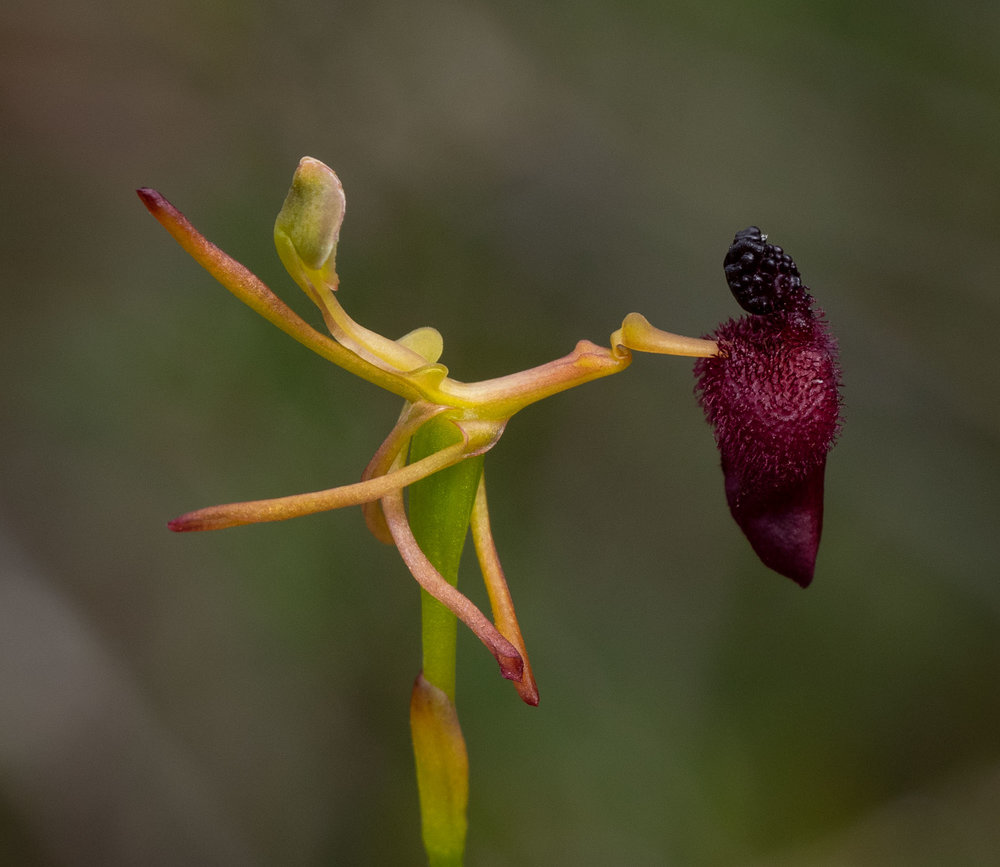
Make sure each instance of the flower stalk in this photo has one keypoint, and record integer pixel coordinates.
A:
(439, 510)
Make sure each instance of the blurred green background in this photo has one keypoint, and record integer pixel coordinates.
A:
(520, 175)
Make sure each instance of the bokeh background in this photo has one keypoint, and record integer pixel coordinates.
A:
(520, 175)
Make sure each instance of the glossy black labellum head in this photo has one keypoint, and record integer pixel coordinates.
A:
(762, 277)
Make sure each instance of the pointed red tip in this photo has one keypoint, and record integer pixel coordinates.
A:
(529, 695)
(184, 524)
(153, 201)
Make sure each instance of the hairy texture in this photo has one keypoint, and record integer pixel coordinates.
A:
(773, 398)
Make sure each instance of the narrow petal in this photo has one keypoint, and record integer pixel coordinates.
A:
(283, 508)
(506, 654)
(255, 294)
(496, 586)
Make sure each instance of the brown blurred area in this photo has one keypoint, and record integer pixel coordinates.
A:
(520, 176)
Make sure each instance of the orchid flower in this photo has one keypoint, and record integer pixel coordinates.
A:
(769, 385)
(306, 235)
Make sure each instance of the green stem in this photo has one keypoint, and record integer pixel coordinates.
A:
(439, 511)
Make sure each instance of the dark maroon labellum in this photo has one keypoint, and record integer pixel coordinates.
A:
(773, 398)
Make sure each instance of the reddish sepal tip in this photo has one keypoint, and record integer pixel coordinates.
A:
(529, 697)
(511, 667)
(151, 198)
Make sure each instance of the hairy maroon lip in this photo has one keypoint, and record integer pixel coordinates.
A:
(772, 396)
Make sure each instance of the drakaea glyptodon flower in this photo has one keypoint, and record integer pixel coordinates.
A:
(768, 384)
